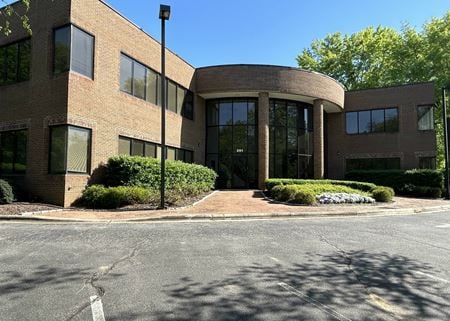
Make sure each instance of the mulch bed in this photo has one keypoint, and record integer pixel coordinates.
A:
(18, 208)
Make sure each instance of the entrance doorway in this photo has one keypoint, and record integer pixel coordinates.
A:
(232, 141)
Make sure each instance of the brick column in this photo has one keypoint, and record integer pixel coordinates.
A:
(263, 138)
(318, 139)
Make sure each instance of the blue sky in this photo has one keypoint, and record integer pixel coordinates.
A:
(210, 32)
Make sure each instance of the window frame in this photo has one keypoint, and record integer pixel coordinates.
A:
(3, 73)
(432, 107)
(371, 131)
(14, 172)
(158, 100)
(66, 148)
(71, 26)
(157, 147)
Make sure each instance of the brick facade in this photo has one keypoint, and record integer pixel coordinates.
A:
(98, 104)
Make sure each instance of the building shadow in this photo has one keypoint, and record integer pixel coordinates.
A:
(367, 286)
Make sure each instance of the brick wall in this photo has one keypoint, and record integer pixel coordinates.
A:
(408, 143)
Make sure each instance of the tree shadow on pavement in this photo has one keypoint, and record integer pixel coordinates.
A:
(354, 285)
(14, 284)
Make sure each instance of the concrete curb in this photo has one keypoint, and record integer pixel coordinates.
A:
(232, 216)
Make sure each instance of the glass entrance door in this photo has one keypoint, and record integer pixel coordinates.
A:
(232, 142)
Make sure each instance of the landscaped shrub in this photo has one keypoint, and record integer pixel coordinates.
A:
(98, 196)
(421, 191)
(272, 182)
(397, 179)
(304, 197)
(383, 194)
(6, 192)
(188, 179)
(306, 193)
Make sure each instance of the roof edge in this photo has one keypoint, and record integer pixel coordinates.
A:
(394, 86)
(275, 66)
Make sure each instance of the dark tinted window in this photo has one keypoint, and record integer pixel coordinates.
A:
(69, 149)
(73, 50)
(391, 120)
(62, 38)
(372, 121)
(364, 122)
(126, 74)
(139, 78)
(352, 122)
(82, 52)
(15, 61)
(13, 152)
(427, 162)
(172, 96)
(188, 105)
(378, 120)
(152, 87)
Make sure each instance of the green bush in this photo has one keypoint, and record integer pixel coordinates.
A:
(421, 191)
(98, 196)
(303, 197)
(383, 194)
(397, 179)
(306, 193)
(272, 182)
(6, 192)
(188, 179)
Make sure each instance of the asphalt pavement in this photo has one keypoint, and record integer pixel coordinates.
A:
(350, 268)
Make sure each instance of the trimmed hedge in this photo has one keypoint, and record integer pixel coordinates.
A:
(99, 196)
(272, 182)
(421, 191)
(383, 194)
(398, 178)
(306, 193)
(140, 171)
(6, 192)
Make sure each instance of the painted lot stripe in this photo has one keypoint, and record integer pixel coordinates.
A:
(315, 303)
(97, 308)
(432, 277)
(443, 226)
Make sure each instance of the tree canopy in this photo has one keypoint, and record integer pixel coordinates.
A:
(8, 12)
(381, 56)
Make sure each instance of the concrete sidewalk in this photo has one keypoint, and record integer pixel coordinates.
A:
(242, 204)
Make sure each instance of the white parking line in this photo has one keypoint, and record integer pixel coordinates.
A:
(97, 308)
(432, 277)
(316, 303)
(443, 226)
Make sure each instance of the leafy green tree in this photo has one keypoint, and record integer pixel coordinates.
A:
(376, 57)
(10, 12)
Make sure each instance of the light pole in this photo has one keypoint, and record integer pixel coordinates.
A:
(164, 14)
(444, 116)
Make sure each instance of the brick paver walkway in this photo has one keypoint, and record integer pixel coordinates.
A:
(248, 202)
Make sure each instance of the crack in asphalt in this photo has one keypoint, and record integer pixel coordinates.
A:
(380, 302)
(97, 276)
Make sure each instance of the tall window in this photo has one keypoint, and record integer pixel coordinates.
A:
(145, 83)
(232, 141)
(15, 61)
(372, 121)
(13, 152)
(73, 50)
(290, 139)
(425, 118)
(70, 149)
